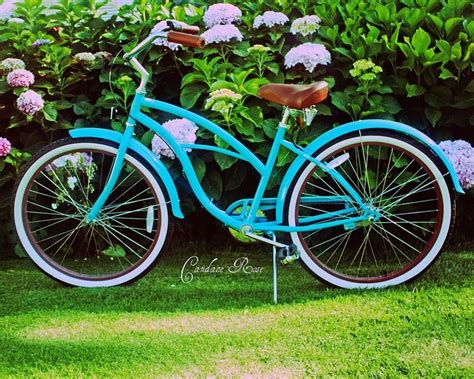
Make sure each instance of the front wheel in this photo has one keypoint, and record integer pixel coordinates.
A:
(53, 198)
(399, 178)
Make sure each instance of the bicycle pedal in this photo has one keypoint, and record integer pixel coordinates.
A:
(287, 255)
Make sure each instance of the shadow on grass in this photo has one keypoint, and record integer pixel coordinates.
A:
(26, 289)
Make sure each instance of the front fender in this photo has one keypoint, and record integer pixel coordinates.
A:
(142, 151)
(353, 127)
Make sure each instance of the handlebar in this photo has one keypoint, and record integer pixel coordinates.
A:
(172, 31)
(186, 39)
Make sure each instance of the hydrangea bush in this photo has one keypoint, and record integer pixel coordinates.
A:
(408, 61)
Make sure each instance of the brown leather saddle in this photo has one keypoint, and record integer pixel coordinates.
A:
(295, 96)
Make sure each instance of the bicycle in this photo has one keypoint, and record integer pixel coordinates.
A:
(368, 204)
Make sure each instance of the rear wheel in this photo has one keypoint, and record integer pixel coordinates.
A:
(397, 177)
(54, 196)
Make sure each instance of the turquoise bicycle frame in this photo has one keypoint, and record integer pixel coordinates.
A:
(247, 219)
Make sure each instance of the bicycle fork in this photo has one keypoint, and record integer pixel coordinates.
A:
(115, 172)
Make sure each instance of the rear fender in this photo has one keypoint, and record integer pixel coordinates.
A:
(352, 127)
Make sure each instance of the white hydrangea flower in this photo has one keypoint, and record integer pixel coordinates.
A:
(306, 25)
(10, 64)
(16, 20)
(85, 57)
(221, 14)
(225, 93)
(71, 182)
(309, 55)
(270, 19)
(170, 45)
(222, 33)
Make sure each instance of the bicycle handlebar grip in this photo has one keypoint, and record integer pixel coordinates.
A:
(190, 29)
(186, 39)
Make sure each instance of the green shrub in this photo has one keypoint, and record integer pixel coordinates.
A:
(424, 50)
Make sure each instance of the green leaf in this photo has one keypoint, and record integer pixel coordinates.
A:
(340, 100)
(451, 23)
(420, 41)
(323, 109)
(212, 185)
(147, 137)
(4, 88)
(62, 104)
(192, 78)
(284, 157)
(433, 115)
(190, 95)
(50, 112)
(235, 176)
(437, 22)
(224, 161)
(199, 167)
(83, 108)
(391, 104)
(414, 90)
(115, 251)
(270, 126)
(246, 127)
(446, 74)
(19, 251)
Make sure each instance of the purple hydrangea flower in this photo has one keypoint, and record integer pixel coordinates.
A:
(5, 147)
(222, 33)
(40, 42)
(183, 130)
(6, 9)
(309, 55)
(30, 102)
(461, 155)
(20, 78)
(306, 25)
(221, 14)
(270, 19)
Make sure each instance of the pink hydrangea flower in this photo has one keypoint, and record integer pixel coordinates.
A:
(222, 33)
(20, 78)
(461, 155)
(221, 14)
(5, 147)
(270, 19)
(183, 130)
(309, 55)
(30, 102)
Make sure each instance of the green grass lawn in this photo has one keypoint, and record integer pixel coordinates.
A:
(226, 325)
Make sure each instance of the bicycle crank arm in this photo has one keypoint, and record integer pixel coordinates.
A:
(264, 239)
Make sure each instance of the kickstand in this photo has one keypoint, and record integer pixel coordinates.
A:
(275, 283)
